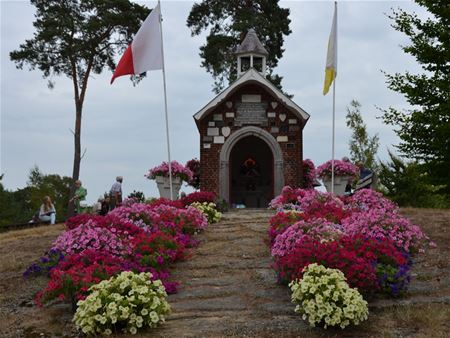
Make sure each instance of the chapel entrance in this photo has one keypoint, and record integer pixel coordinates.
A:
(251, 173)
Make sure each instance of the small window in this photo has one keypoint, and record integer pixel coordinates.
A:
(257, 63)
(291, 145)
(245, 63)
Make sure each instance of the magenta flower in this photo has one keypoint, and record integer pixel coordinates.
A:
(178, 170)
(341, 168)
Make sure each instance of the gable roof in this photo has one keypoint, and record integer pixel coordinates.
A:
(251, 44)
(248, 77)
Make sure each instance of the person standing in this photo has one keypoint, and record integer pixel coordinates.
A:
(116, 193)
(47, 212)
(80, 195)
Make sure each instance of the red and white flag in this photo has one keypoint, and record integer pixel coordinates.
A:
(145, 52)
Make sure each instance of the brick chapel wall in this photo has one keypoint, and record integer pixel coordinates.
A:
(292, 149)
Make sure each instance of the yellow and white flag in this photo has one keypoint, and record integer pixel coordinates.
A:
(331, 66)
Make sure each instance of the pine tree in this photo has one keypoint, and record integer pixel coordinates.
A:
(424, 129)
(228, 23)
(77, 38)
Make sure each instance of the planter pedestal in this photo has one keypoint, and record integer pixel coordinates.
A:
(164, 186)
(339, 184)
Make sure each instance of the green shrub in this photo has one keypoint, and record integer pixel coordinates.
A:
(408, 184)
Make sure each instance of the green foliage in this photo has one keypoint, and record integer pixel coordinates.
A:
(77, 38)
(138, 196)
(408, 185)
(15, 206)
(228, 23)
(19, 206)
(424, 129)
(362, 147)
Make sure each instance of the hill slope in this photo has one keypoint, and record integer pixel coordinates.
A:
(229, 289)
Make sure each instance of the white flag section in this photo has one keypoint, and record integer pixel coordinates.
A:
(147, 44)
(145, 52)
(331, 65)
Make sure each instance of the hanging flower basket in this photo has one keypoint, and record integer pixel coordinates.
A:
(344, 172)
(160, 174)
(163, 184)
(340, 183)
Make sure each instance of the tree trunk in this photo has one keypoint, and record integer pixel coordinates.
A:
(76, 157)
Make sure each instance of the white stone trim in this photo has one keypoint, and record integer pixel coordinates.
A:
(255, 76)
(225, 152)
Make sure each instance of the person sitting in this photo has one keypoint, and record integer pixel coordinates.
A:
(97, 207)
(47, 212)
(363, 171)
(105, 206)
(366, 177)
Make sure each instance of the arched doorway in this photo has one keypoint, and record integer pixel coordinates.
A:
(225, 156)
(251, 173)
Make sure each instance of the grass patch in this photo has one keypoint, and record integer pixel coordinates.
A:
(419, 320)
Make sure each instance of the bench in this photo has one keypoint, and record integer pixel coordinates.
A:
(368, 182)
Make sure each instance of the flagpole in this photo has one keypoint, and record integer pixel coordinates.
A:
(165, 103)
(333, 137)
(334, 109)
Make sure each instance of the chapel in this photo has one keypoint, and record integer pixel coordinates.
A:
(251, 134)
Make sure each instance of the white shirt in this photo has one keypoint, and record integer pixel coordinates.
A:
(116, 187)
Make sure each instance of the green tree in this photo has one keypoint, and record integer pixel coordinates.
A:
(228, 23)
(77, 39)
(424, 129)
(55, 186)
(19, 206)
(363, 148)
(407, 184)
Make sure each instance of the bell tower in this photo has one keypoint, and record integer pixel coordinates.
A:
(251, 54)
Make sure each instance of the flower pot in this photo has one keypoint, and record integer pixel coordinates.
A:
(339, 184)
(163, 184)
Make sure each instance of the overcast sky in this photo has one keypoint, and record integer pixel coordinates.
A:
(123, 128)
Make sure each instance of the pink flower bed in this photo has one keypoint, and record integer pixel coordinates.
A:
(286, 200)
(87, 237)
(365, 199)
(372, 220)
(318, 228)
(380, 224)
(281, 221)
(134, 237)
(198, 196)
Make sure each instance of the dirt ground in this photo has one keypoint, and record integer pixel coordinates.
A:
(229, 290)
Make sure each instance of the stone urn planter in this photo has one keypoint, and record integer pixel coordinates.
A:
(163, 184)
(339, 184)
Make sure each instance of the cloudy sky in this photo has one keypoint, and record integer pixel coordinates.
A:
(123, 129)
